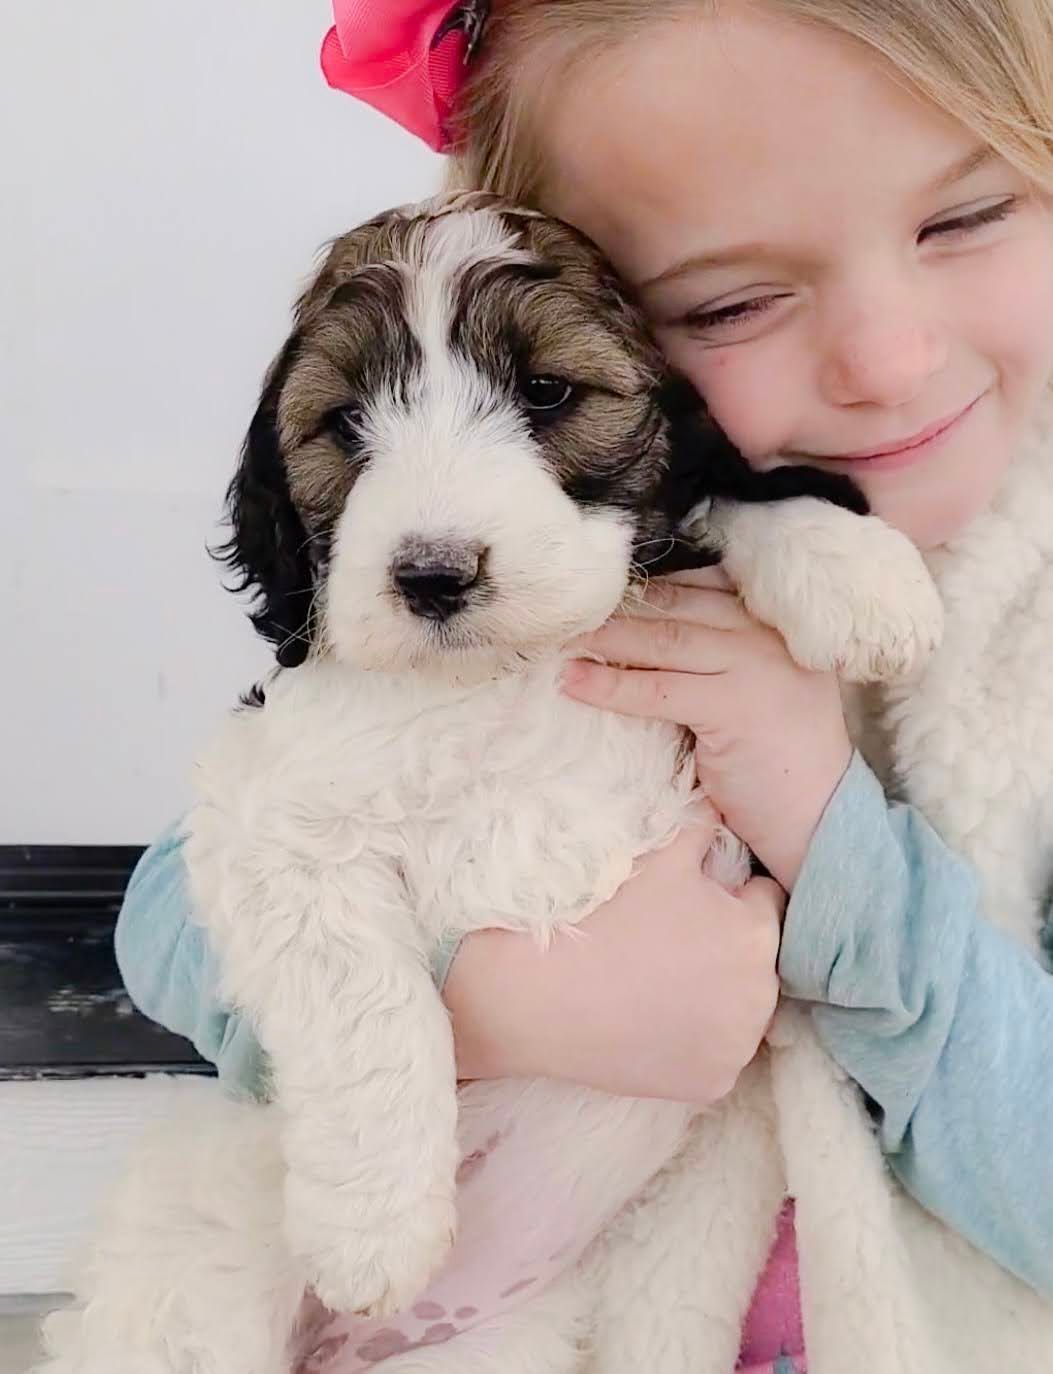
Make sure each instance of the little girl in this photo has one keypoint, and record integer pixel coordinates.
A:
(836, 213)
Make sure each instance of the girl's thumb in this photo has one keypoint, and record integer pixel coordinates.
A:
(765, 895)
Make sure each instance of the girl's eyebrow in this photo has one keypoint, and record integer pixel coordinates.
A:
(958, 171)
(719, 257)
(759, 252)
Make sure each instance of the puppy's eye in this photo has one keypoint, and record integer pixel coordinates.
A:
(346, 424)
(540, 392)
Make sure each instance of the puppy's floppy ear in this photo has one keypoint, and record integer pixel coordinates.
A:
(702, 462)
(268, 547)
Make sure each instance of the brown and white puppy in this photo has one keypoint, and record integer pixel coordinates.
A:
(469, 444)
(468, 452)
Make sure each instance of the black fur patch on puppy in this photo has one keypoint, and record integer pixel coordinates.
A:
(268, 544)
(703, 463)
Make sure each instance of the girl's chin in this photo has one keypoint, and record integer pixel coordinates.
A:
(932, 523)
(933, 503)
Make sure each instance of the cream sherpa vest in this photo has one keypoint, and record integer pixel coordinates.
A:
(885, 1287)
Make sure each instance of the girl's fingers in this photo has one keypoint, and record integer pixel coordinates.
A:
(766, 896)
(675, 645)
(716, 579)
(720, 610)
(631, 692)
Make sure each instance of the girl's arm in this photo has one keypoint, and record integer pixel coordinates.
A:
(945, 1023)
(168, 969)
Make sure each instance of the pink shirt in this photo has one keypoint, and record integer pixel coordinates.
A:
(498, 1191)
(773, 1335)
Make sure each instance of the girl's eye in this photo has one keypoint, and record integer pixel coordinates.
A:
(974, 219)
(545, 393)
(728, 316)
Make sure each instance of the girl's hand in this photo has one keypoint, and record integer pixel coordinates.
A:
(771, 739)
(669, 995)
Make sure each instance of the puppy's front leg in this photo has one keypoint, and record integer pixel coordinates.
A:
(362, 1053)
(847, 592)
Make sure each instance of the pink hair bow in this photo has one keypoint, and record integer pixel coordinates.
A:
(406, 58)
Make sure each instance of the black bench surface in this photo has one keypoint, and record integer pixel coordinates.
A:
(64, 1012)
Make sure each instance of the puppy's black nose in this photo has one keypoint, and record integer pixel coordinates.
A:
(436, 588)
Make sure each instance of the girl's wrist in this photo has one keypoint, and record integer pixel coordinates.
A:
(781, 838)
(485, 993)
(513, 1004)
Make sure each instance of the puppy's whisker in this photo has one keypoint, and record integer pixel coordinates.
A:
(665, 546)
(303, 635)
(657, 612)
(296, 637)
(671, 544)
(666, 540)
(319, 537)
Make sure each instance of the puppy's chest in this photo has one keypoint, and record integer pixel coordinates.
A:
(504, 805)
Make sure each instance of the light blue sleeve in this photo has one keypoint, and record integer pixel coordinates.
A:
(945, 1023)
(170, 972)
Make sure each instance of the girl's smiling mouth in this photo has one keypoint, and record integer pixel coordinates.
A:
(902, 452)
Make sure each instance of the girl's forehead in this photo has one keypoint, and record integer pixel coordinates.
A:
(743, 124)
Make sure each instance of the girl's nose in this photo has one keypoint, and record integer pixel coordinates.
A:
(882, 357)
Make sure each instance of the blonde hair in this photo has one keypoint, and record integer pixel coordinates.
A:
(987, 63)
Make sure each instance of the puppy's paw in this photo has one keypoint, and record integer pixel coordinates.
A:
(73, 1346)
(848, 593)
(368, 1269)
(875, 617)
(402, 1263)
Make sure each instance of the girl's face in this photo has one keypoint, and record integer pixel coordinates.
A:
(846, 274)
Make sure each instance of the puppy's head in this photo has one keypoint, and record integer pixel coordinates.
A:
(465, 450)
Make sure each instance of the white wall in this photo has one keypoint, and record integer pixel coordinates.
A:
(64, 1144)
(168, 172)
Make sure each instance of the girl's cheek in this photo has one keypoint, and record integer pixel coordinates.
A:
(1006, 311)
(752, 395)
